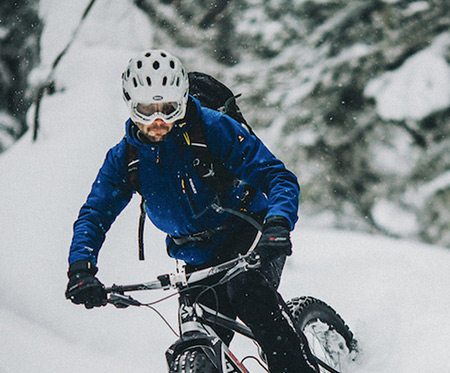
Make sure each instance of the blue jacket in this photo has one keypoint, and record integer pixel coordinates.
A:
(166, 171)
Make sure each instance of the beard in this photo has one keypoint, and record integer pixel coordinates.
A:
(155, 134)
(148, 138)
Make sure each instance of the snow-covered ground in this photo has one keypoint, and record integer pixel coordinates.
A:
(393, 294)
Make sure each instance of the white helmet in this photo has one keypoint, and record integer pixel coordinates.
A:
(157, 81)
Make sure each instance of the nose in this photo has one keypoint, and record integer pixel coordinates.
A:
(158, 121)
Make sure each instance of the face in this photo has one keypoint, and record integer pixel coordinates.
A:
(157, 131)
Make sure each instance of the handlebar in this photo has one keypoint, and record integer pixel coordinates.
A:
(180, 279)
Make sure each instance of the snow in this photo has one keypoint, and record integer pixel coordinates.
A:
(420, 195)
(392, 293)
(419, 87)
(12, 124)
(417, 7)
(394, 218)
(442, 182)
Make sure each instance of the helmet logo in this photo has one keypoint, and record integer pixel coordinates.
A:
(157, 98)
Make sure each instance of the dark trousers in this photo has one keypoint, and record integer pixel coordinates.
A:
(252, 296)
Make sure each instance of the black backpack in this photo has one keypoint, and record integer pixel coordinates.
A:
(217, 96)
(214, 95)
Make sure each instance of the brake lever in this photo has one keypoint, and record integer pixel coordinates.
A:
(253, 260)
(248, 262)
(123, 301)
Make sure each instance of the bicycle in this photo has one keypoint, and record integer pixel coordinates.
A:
(200, 350)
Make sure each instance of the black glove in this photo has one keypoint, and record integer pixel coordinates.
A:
(275, 240)
(84, 287)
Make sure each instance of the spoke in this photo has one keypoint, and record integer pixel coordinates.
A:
(326, 343)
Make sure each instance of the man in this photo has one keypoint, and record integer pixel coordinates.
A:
(203, 227)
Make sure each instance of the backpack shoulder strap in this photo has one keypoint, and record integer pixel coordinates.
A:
(133, 180)
(210, 170)
(133, 167)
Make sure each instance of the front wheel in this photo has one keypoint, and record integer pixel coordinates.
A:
(329, 338)
(192, 361)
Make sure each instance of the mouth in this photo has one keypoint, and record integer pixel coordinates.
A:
(158, 128)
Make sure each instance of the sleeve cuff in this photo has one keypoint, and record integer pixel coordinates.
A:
(277, 220)
(82, 266)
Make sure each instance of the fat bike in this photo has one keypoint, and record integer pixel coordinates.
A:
(200, 350)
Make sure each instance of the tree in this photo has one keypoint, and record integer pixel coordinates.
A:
(20, 31)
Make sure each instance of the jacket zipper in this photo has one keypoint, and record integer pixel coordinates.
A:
(189, 189)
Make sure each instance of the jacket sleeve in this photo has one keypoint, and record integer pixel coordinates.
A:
(249, 159)
(109, 195)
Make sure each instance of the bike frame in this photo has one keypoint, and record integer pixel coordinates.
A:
(195, 320)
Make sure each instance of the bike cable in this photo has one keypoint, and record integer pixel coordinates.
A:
(256, 359)
(163, 319)
(150, 305)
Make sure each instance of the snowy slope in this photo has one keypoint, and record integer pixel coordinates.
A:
(393, 294)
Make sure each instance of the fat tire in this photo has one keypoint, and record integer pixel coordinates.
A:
(192, 361)
(305, 310)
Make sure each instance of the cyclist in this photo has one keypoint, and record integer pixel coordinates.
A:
(201, 228)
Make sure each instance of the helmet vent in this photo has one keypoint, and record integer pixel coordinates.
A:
(135, 82)
(139, 64)
(156, 65)
(163, 54)
(178, 82)
(126, 95)
(164, 81)
(149, 81)
(172, 64)
(128, 73)
(148, 54)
